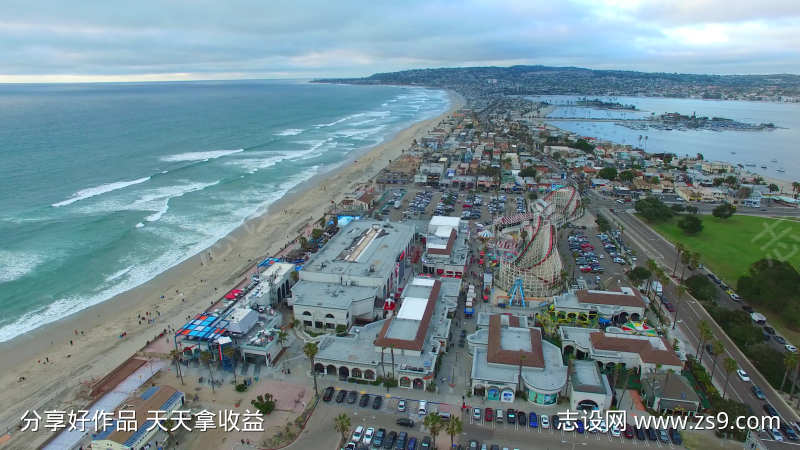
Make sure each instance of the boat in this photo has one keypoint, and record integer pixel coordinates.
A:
(780, 170)
(733, 153)
(763, 167)
(773, 160)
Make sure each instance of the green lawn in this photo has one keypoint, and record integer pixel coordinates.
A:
(729, 247)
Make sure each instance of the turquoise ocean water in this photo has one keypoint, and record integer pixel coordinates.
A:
(104, 186)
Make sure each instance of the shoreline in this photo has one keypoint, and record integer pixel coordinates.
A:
(86, 345)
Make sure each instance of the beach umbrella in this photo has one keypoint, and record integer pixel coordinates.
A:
(230, 296)
(486, 234)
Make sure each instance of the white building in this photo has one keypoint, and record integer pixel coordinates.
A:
(446, 248)
(588, 387)
(356, 270)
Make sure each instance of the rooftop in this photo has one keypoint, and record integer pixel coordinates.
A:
(155, 398)
(408, 330)
(586, 377)
(329, 295)
(653, 350)
(512, 345)
(362, 248)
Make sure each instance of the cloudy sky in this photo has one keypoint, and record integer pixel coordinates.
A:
(109, 40)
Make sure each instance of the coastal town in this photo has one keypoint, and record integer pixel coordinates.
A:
(495, 285)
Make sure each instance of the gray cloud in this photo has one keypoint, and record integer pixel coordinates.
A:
(241, 38)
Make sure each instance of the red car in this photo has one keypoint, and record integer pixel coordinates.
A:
(628, 431)
(586, 269)
(488, 415)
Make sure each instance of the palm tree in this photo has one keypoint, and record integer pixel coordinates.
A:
(686, 259)
(453, 427)
(391, 348)
(341, 424)
(311, 349)
(175, 355)
(794, 381)
(730, 365)
(705, 332)
(433, 422)
(795, 188)
(282, 335)
(383, 366)
(519, 374)
(680, 291)
(206, 358)
(627, 374)
(718, 348)
(680, 250)
(789, 362)
(652, 266)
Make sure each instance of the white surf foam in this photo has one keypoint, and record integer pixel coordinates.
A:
(15, 264)
(98, 190)
(290, 132)
(200, 156)
(158, 199)
(118, 274)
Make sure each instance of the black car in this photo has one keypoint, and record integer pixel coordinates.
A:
(352, 396)
(340, 395)
(780, 339)
(747, 308)
(328, 395)
(521, 419)
(710, 349)
(494, 447)
(651, 434)
(675, 436)
(405, 422)
(769, 330)
(389, 441)
(377, 402)
(364, 401)
(511, 416)
(555, 421)
(402, 437)
(640, 434)
(769, 409)
(377, 440)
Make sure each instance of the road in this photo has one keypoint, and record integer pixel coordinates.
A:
(648, 242)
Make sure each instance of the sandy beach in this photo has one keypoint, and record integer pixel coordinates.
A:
(60, 360)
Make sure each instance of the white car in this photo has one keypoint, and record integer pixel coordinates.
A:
(357, 434)
(776, 434)
(476, 414)
(743, 375)
(544, 421)
(401, 406)
(790, 348)
(615, 431)
(368, 436)
(603, 428)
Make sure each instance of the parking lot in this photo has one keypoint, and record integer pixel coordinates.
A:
(594, 259)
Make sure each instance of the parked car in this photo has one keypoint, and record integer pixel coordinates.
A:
(368, 435)
(412, 444)
(521, 419)
(364, 401)
(675, 436)
(780, 339)
(340, 395)
(790, 348)
(388, 442)
(498, 415)
(400, 444)
(769, 409)
(352, 396)
(639, 434)
(405, 422)
(628, 431)
(757, 392)
(377, 402)
(377, 440)
(357, 434)
(663, 436)
(579, 426)
(556, 422)
(776, 434)
(488, 414)
(743, 375)
(476, 414)
(401, 406)
(651, 434)
(426, 443)
(532, 420)
(545, 421)
(511, 416)
(328, 395)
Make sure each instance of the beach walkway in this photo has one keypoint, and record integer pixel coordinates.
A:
(108, 403)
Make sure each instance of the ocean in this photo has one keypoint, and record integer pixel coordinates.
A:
(104, 186)
(739, 147)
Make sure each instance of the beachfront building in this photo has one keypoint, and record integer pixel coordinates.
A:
(446, 247)
(405, 346)
(133, 424)
(356, 270)
(588, 387)
(275, 280)
(584, 305)
(503, 350)
(610, 348)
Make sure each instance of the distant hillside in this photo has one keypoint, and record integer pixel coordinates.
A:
(539, 80)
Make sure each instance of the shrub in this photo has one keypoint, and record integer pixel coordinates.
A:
(241, 387)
